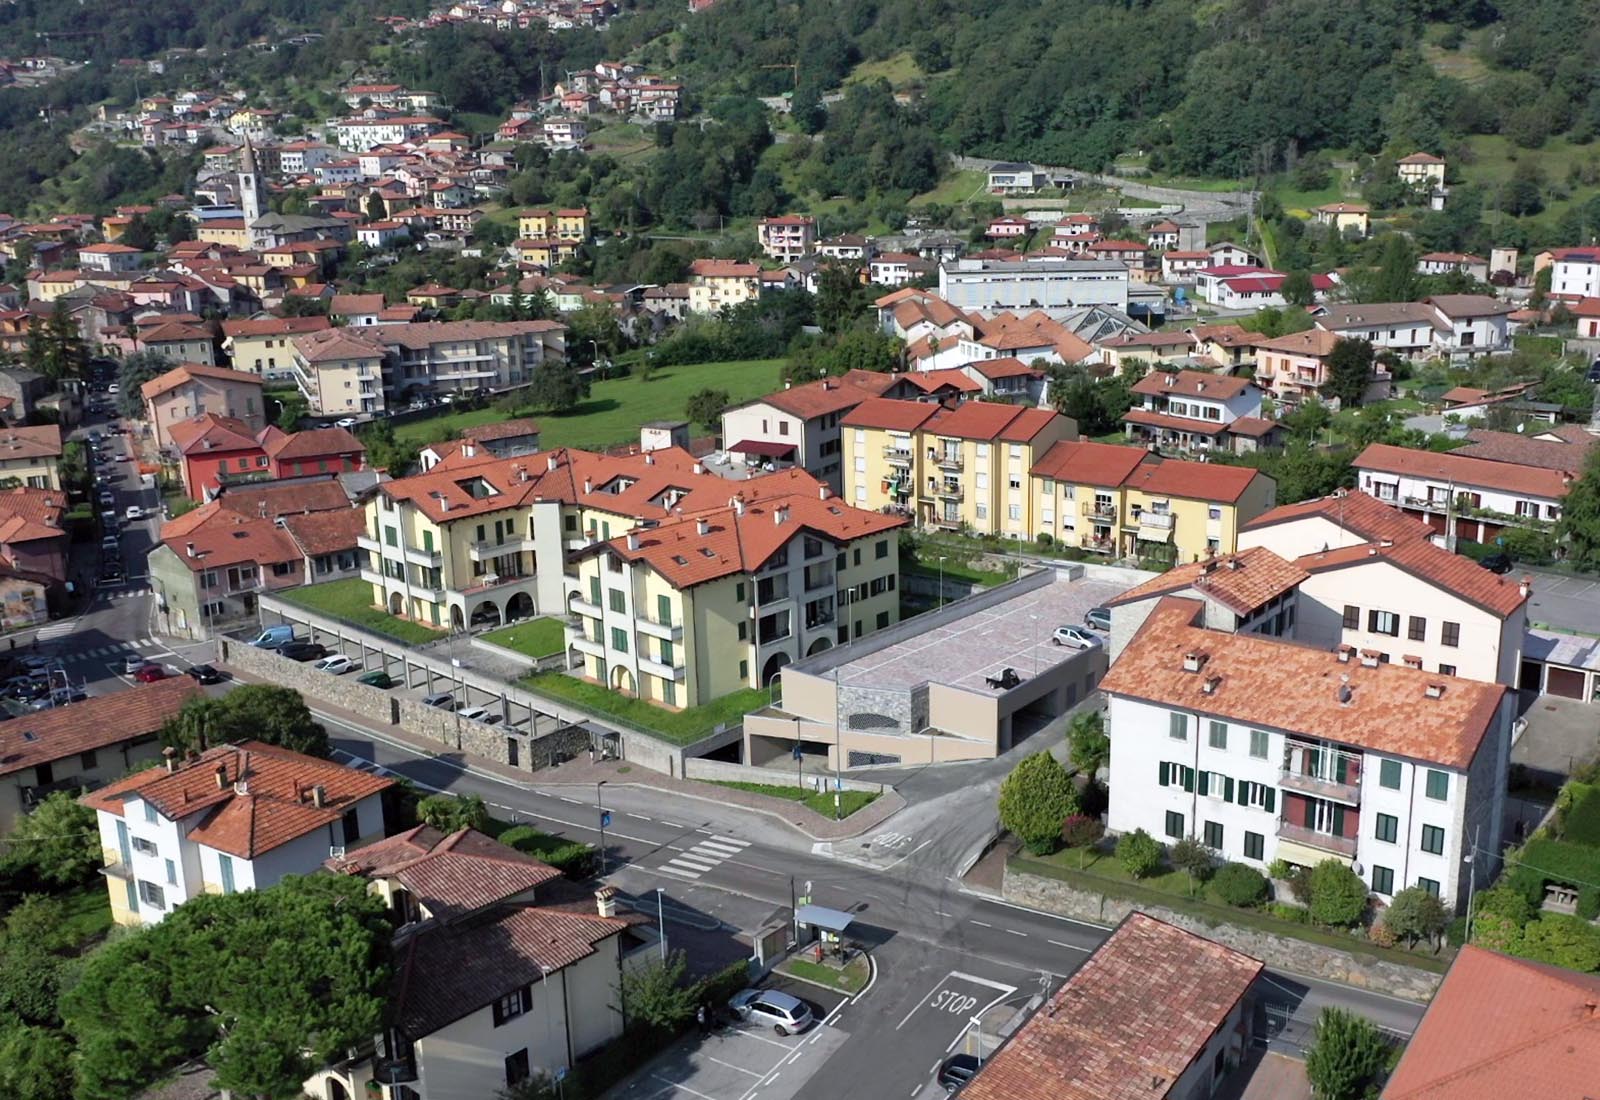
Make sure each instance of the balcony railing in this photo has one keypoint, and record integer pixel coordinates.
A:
(671, 632)
(1162, 520)
(950, 460)
(1299, 834)
(948, 491)
(1340, 778)
(1105, 512)
(1099, 546)
(481, 551)
(496, 581)
(898, 455)
(666, 672)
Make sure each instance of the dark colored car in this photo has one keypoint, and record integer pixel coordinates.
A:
(149, 674)
(376, 678)
(957, 1070)
(303, 651)
(205, 674)
(1497, 563)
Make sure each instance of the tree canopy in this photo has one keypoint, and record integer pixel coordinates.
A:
(252, 712)
(1035, 799)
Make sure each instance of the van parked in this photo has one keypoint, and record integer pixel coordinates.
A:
(274, 637)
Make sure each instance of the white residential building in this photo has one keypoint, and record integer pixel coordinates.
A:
(1460, 496)
(238, 817)
(1263, 749)
(1405, 328)
(1576, 273)
(1054, 286)
(1471, 324)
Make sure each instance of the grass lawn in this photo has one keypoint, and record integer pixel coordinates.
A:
(627, 139)
(616, 407)
(681, 727)
(1100, 871)
(351, 600)
(849, 801)
(533, 638)
(956, 188)
(898, 69)
(852, 978)
(1495, 158)
(955, 571)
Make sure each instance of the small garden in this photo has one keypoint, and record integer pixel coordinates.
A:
(350, 600)
(681, 727)
(1055, 814)
(849, 977)
(817, 801)
(533, 638)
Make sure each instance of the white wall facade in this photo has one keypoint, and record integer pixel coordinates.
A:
(1416, 491)
(1061, 285)
(1576, 278)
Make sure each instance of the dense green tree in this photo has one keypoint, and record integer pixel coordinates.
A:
(136, 370)
(657, 995)
(705, 408)
(1562, 940)
(1414, 914)
(1139, 853)
(33, 1063)
(1035, 799)
(1346, 1056)
(1338, 895)
(1089, 748)
(57, 845)
(1580, 514)
(1297, 289)
(251, 712)
(449, 813)
(1349, 371)
(557, 387)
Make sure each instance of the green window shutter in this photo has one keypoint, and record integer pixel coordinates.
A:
(1188, 779)
(1338, 821)
(1164, 771)
(1205, 778)
(1272, 800)
(1341, 768)
(1227, 790)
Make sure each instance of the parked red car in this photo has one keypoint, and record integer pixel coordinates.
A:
(149, 674)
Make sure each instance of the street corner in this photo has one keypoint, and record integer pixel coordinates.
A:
(879, 850)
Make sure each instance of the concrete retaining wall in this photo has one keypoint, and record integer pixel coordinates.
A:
(778, 777)
(1296, 956)
(532, 664)
(373, 704)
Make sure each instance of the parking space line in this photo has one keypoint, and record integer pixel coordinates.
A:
(761, 1038)
(738, 1069)
(672, 824)
(1068, 946)
(687, 876)
(684, 1087)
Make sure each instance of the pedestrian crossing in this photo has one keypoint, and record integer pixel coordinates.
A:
(121, 649)
(56, 630)
(703, 857)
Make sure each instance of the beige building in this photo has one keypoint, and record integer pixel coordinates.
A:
(1345, 217)
(339, 370)
(191, 389)
(787, 237)
(31, 455)
(1421, 170)
(262, 346)
(717, 284)
(966, 467)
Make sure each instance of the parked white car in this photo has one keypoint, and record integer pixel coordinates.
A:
(338, 664)
(134, 512)
(1074, 637)
(784, 1013)
(477, 714)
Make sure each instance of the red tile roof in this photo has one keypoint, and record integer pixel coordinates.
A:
(1565, 447)
(1502, 1027)
(890, 414)
(1194, 480)
(1192, 383)
(1423, 560)
(503, 429)
(1082, 462)
(1240, 582)
(275, 326)
(188, 372)
(1127, 1025)
(1267, 682)
(41, 441)
(450, 875)
(990, 420)
(264, 798)
(219, 537)
(211, 432)
(315, 443)
(1313, 342)
(40, 737)
(1353, 510)
(1464, 473)
(929, 381)
(723, 269)
(326, 532)
(827, 395)
(30, 514)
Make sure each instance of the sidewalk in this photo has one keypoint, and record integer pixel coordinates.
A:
(620, 773)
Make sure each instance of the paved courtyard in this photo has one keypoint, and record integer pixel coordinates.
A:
(1013, 634)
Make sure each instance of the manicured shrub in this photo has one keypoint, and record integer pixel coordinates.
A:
(1240, 884)
(1138, 853)
(1035, 799)
(1338, 896)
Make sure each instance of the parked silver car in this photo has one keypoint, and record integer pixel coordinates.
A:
(786, 1014)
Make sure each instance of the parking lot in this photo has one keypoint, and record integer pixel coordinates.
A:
(1564, 602)
(745, 1061)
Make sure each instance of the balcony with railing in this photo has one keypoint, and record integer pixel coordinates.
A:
(949, 460)
(1105, 513)
(819, 576)
(1162, 521)
(1321, 772)
(655, 628)
(898, 456)
(1311, 838)
(676, 673)
(948, 491)
(496, 582)
(1097, 545)
(494, 548)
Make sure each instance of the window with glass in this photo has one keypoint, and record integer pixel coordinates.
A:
(1218, 738)
(1388, 828)
(1438, 785)
(1389, 774)
(1255, 845)
(1429, 885)
(1258, 744)
(1417, 628)
(1433, 840)
(1450, 635)
(1174, 825)
(1383, 880)
(1178, 727)
(1213, 835)
(619, 639)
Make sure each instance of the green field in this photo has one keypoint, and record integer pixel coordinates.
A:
(818, 802)
(678, 726)
(616, 407)
(624, 140)
(534, 638)
(351, 600)
(899, 70)
(1495, 158)
(957, 187)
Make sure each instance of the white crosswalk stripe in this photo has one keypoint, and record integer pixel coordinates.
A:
(703, 857)
(56, 630)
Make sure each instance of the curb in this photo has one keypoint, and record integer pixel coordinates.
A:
(849, 998)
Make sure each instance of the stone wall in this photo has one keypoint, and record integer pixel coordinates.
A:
(1279, 952)
(781, 777)
(373, 704)
(870, 709)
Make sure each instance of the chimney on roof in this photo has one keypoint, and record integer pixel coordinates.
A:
(1434, 690)
(605, 900)
(550, 462)
(1525, 585)
(702, 527)
(1234, 563)
(738, 504)
(633, 540)
(188, 548)
(823, 492)
(222, 777)
(1386, 543)
(1209, 687)
(1172, 379)
(1369, 658)
(588, 485)
(780, 515)
(319, 796)
(468, 450)
(649, 459)
(1209, 565)
(699, 469)
(1344, 653)
(1194, 660)
(169, 756)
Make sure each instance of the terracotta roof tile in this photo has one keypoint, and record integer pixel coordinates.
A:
(1501, 1027)
(1241, 582)
(990, 420)
(1102, 1037)
(1194, 480)
(503, 429)
(211, 432)
(1313, 342)
(890, 414)
(275, 326)
(326, 532)
(1560, 448)
(1465, 473)
(1282, 685)
(450, 875)
(315, 443)
(220, 537)
(1192, 383)
(41, 441)
(1353, 510)
(826, 395)
(929, 381)
(188, 372)
(100, 722)
(1083, 462)
(1420, 558)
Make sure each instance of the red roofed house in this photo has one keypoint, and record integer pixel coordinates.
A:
(503, 969)
(1292, 368)
(799, 425)
(1190, 410)
(1500, 1026)
(192, 389)
(1156, 1013)
(1463, 497)
(715, 284)
(84, 745)
(212, 448)
(315, 451)
(237, 817)
(1266, 749)
(788, 237)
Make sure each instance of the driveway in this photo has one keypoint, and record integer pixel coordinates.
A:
(1564, 602)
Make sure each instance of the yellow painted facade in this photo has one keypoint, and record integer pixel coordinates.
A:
(712, 293)
(230, 231)
(546, 253)
(35, 473)
(571, 225)
(1122, 521)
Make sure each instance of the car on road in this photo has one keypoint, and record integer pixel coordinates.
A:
(338, 664)
(491, 719)
(1074, 637)
(957, 1070)
(273, 637)
(346, 422)
(1496, 563)
(134, 512)
(784, 1012)
(1098, 618)
(441, 699)
(204, 674)
(134, 664)
(24, 688)
(302, 651)
(376, 678)
(35, 662)
(149, 674)
(477, 714)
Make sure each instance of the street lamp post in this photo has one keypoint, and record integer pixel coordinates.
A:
(661, 921)
(601, 810)
(1472, 881)
(941, 580)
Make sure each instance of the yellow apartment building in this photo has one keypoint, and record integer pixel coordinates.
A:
(32, 456)
(966, 467)
(571, 225)
(682, 612)
(717, 284)
(1124, 503)
(545, 252)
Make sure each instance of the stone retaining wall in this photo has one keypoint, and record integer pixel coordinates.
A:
(1288, 953)
(779, 777)
(373, 704)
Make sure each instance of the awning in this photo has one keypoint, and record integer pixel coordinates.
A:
(763, 448)
(820, 916)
